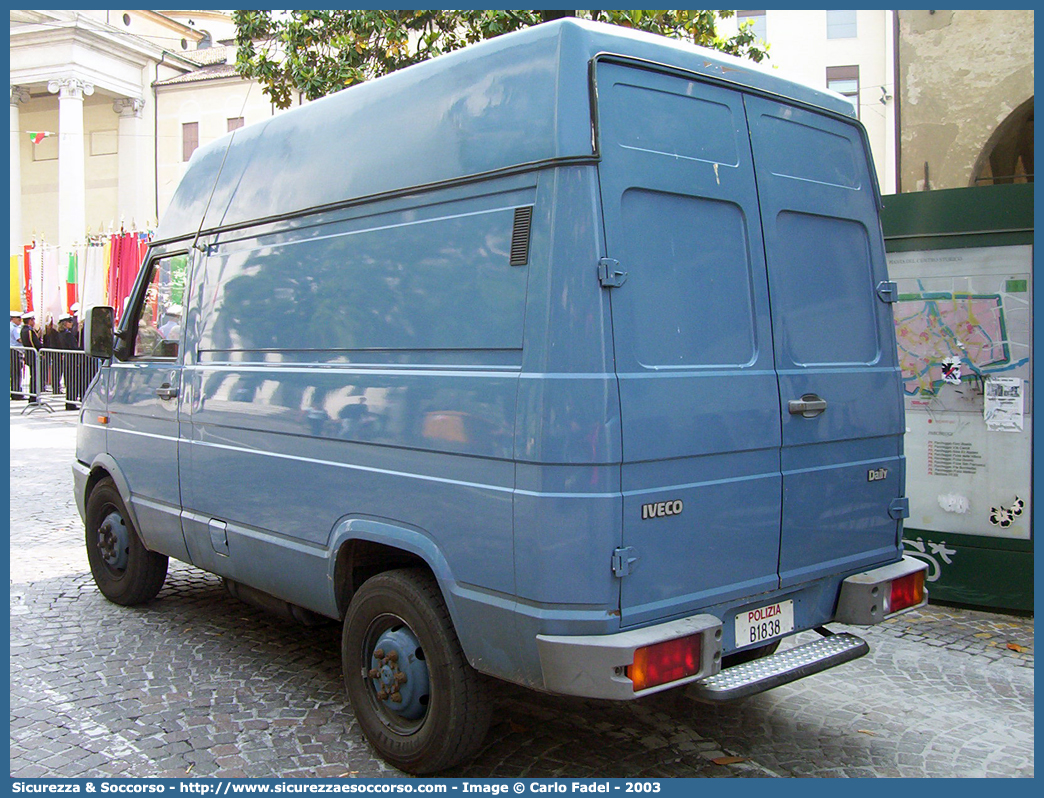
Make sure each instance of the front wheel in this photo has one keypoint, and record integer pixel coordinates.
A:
(123, 569)
(418, 701)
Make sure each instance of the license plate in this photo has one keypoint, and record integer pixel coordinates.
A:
(764, 623)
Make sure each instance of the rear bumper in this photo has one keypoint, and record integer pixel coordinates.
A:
(594, 666)
(864, 597)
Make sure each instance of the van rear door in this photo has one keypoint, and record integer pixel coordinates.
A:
(842, 414)
(693, 343)
(760, 449)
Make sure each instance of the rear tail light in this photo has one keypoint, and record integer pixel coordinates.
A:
(906, 591)
(665, 662)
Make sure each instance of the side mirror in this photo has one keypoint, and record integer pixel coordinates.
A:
(97, 332)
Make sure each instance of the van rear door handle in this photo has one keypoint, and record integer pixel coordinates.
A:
(808, 406)
(166, 392)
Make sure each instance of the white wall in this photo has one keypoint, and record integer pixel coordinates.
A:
(210, 103)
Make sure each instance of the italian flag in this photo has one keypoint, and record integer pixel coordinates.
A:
(36, 136)
(71, 280)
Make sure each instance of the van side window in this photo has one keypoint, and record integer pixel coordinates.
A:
(157, 326)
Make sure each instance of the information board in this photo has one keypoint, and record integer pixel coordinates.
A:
(963, 328)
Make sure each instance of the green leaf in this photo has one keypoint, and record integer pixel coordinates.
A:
(321, 51)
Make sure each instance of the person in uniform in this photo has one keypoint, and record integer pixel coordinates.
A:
(16, 354)
(171, 327)
(30, 339)
(49, 357)
(68, 342)
(77, 325)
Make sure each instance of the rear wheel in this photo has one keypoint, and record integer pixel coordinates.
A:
(418, 701)
(123, 569)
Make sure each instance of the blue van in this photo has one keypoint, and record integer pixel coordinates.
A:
(566, 359)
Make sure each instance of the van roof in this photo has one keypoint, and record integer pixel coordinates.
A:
(513, 102)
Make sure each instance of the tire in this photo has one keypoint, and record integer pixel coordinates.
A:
(444, 708)
(123, 569)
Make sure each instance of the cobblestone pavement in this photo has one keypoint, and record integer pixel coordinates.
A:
(198, 684)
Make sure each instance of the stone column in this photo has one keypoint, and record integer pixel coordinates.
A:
(131, 146)
(18, 96)
(72, 202)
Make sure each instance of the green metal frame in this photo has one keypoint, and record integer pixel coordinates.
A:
(985, 216)
(985, 571)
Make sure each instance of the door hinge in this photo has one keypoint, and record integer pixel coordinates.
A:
(609, 274)
(899, 508)
(624, 560)
(887, 291)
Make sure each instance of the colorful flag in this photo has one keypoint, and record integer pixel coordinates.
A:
(36, 136)
(27, 266)
(71, 281)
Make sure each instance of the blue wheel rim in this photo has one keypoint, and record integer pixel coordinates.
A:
(398, 674)
(114, 541)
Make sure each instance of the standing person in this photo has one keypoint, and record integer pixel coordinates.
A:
(30, 339)
(170, 330)
(68, 342)
(51, 376)
(16, 354)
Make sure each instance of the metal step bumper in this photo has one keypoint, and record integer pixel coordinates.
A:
(776, 669)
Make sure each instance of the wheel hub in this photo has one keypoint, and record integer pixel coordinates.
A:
(113, 541)
(399, 674)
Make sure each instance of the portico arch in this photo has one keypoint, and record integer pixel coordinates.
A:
(1007, 156)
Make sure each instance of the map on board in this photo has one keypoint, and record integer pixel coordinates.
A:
(963, 316)
(942, 333)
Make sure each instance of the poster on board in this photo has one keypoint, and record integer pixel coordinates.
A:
(1002, 404)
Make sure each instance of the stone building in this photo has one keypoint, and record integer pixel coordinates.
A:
(965, 82)
(123, 98)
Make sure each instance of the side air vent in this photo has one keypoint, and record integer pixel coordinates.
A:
(520, 236)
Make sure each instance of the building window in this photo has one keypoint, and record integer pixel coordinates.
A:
(235, 123)
(126, 19)
(841, 24)
(189, 139)
(845, 81)
(758, 18)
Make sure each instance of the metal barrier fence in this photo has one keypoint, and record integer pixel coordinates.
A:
(46, 378)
